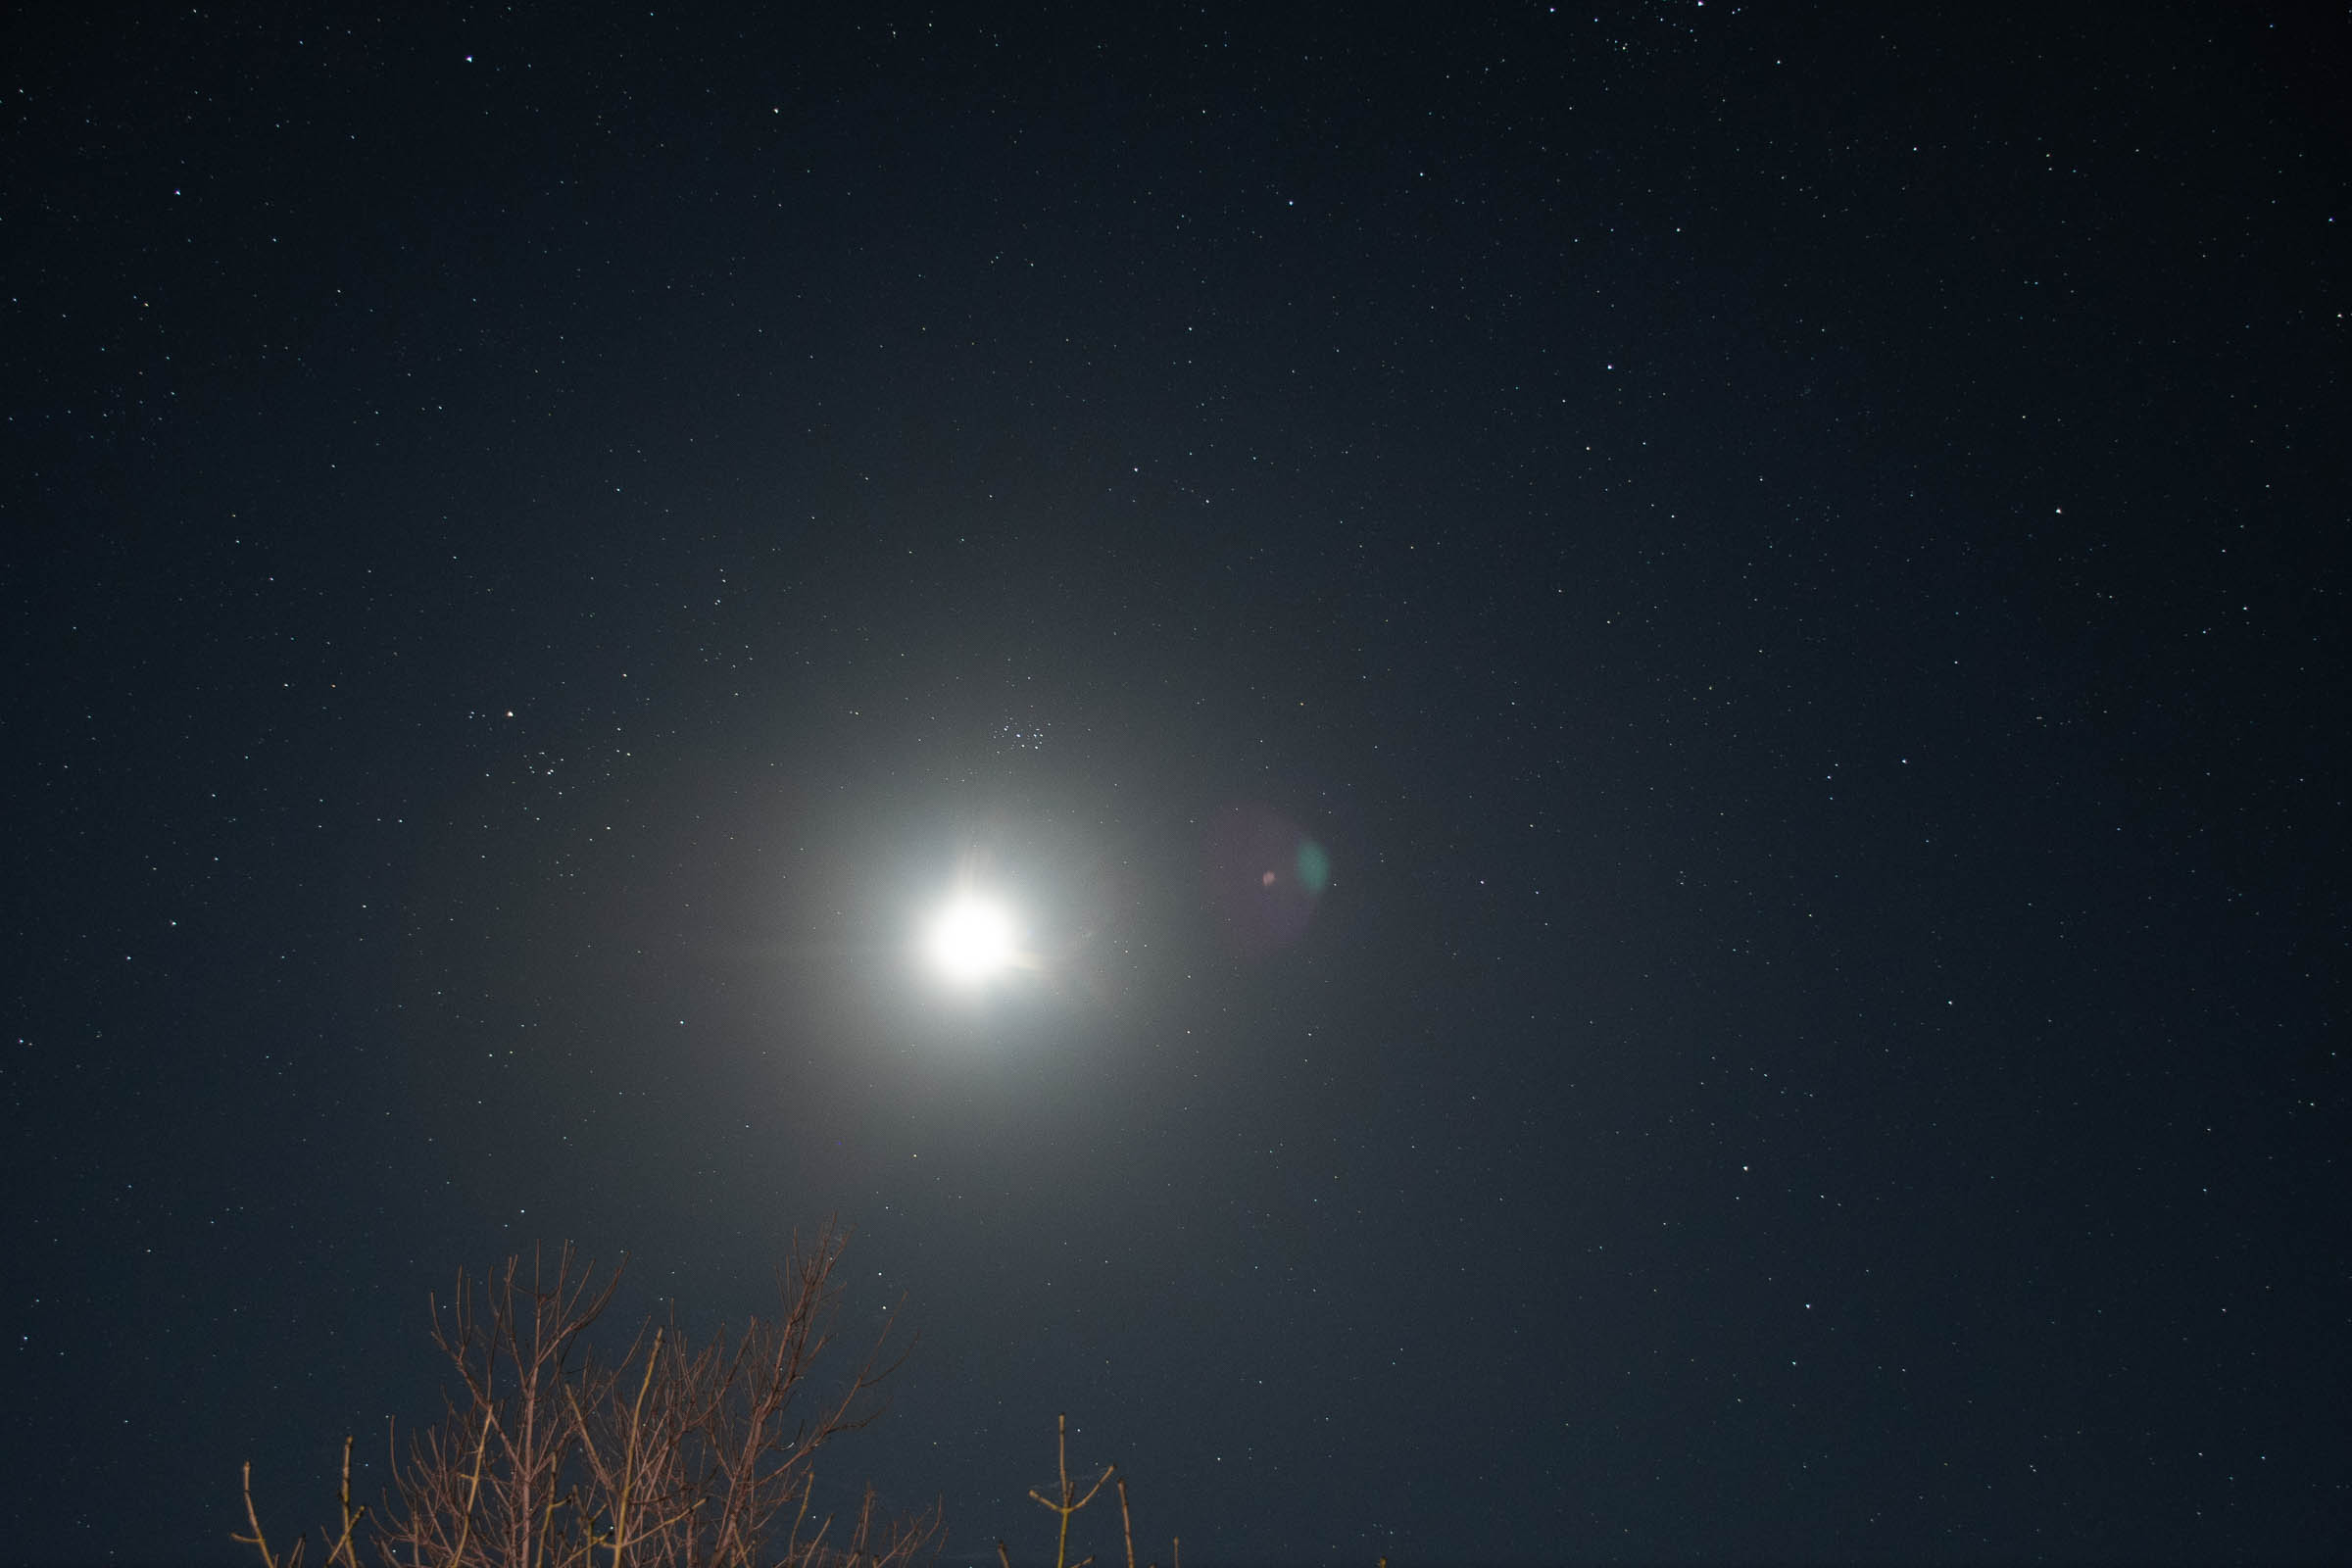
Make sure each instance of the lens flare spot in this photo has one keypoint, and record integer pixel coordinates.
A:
(1314, 866)
(1265, 877)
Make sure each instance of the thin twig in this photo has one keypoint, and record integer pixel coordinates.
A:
(342, 1547)
(628, 1467)
(474, 1489)
(253, 1521)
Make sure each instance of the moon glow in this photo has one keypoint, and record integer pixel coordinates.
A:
(971, 939)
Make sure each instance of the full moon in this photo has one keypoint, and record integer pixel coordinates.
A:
(971, 939)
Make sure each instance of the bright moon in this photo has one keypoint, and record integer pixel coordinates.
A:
(971, 939)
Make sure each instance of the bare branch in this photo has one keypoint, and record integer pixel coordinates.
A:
(256, 1541)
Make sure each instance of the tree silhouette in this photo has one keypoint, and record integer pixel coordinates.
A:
(669, 1455)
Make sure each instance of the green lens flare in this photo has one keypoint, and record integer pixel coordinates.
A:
(1314, 866)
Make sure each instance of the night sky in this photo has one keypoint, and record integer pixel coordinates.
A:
(1659, 694)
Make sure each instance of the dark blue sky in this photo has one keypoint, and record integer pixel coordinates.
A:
(1792, 560)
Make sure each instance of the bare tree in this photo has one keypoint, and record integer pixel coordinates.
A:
(669, 1455)
(1067, 1501)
